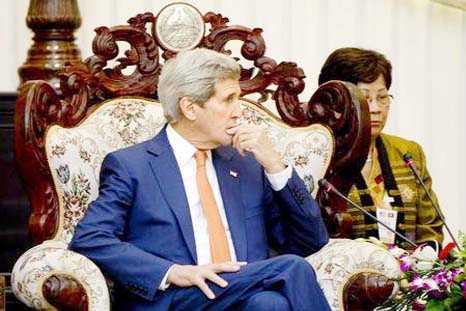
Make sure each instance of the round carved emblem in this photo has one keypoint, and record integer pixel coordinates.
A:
(179, 27)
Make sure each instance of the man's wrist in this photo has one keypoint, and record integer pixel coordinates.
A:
(276, 167)
(165, 283)
(278, 180)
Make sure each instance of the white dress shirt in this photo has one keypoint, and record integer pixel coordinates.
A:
(184, 155)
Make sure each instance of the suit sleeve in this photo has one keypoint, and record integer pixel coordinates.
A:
(429, 224)
(295, 224)
(100, 235)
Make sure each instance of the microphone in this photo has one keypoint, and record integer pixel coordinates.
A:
(410, 163)
(328, 187)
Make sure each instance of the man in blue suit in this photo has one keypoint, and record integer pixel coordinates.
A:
(150, 228)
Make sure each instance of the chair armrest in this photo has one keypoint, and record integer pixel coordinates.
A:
(339, 263)
(50, 270)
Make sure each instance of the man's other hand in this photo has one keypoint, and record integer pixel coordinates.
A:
(188, 275)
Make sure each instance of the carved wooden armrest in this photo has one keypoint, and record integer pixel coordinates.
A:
(366, 290)
(51, 275)
(346, 268)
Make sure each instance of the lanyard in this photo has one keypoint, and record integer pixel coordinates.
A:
(390, 186)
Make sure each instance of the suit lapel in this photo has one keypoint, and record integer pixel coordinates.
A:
(168, 176)
(229, 179)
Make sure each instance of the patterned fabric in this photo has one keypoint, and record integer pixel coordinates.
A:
(41, 261)
(421, 222)
(76, 154)
(341, 259)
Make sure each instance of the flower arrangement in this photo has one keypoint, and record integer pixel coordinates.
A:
(431, 282)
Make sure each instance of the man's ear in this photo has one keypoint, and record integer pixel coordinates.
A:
(187, 108)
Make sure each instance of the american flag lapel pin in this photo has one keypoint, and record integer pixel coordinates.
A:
(233, 173)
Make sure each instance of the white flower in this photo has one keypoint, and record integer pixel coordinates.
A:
(397, 251)
(425, 257)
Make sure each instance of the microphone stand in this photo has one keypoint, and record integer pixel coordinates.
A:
(328, 187)
(409, 162)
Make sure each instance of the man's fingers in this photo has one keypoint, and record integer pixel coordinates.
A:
(214, 278)
(244, 142)
(233, 130)
(227, 267)
(235, 263)
(205, 289)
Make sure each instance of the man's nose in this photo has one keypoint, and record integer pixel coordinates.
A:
(238, 110)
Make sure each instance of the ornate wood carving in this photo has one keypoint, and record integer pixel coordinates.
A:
(65, 293)
(53, 23)
(366, 291)
(36, 107)
(341, 106)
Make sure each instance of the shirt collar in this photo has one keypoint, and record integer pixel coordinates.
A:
(182, 149)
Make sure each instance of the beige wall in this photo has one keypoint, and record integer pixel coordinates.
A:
(425, 40)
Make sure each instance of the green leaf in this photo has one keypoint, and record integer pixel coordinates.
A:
(462, 239)
(461, 254)
(455, 264)
(434, 305)
(460, 278)
(455, 289)
(451, 303)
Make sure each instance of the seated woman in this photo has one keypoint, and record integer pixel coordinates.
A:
(386, 187)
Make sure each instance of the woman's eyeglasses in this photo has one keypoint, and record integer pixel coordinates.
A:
(383, 100)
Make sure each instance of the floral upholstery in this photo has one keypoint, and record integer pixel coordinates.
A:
(340, 259)
(75, 156)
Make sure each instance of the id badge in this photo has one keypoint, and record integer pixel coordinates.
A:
(387, 217)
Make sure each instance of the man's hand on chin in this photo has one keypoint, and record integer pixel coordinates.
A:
(254, 139)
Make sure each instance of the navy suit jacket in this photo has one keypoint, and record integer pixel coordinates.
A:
(140, 223)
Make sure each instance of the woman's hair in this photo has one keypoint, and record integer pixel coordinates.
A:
(356, 65)
(193, 74)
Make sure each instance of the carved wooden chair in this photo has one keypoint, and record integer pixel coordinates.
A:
(62, 137)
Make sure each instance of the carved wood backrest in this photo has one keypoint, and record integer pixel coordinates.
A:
(338, 105)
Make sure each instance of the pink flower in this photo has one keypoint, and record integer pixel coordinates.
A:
(441, 279)
(416, 282)
(463, 287)
(430, 284)
(453, 273)
(406, 263)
